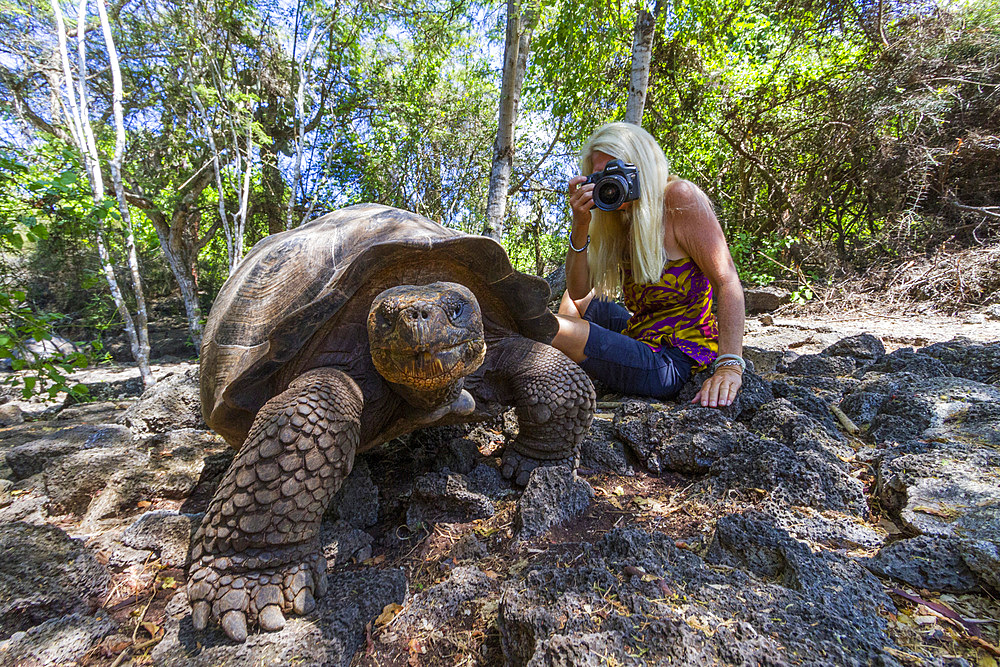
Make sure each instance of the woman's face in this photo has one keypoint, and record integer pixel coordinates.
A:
(599, 160)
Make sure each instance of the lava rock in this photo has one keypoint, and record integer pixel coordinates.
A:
(11, 414)
(924, 562)
(37, 455)
(932, 487)
(863, 348)
(965, 358)
(849, 599)
(718, 613)
(765, 299)
(906, 360)
(45, 574)
(554, 495)
(593, 649)
(115, 390)
(459, 455)
(172, 403)
(343, 543)
(487, 480)
(74, 480)
(446, 498)
(177, 466)
(820, 364)
(58, 641)
(810, 399)
(828, 529)
(943, 409)
(683, 439)
(436, 606)
(468, 547)
(763, 361)
(807, 478)
(357, 500)
(602, 450)
(164, 531)
(782, 421)
(979, 543)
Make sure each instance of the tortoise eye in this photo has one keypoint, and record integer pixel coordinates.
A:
(457, 309)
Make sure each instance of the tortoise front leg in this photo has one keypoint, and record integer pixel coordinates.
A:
(256, 555)
(554, 401)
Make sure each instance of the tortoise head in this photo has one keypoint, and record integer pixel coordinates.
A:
(426, 337)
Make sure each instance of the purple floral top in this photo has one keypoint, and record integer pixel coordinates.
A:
(675, 311)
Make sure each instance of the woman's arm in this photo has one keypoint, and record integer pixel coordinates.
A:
(698, 233)
(577, 272)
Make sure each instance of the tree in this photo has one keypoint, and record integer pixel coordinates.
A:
(642, 54)
(76, 107)
(521, 22)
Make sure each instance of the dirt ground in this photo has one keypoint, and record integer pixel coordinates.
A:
(810, 333)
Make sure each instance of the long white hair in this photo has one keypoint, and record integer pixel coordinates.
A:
(640, 226)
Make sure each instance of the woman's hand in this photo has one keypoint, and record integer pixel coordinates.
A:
(720, 389)
(581, 200)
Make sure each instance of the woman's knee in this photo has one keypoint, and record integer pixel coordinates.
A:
(571, 338)
(574, 307)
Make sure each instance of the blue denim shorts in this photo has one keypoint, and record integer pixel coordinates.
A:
(626, 365)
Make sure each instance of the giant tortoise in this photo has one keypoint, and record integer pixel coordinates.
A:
(343, 334)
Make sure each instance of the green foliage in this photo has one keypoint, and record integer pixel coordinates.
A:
(20, 229)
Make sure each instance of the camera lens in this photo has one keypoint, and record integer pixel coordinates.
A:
(610, 193)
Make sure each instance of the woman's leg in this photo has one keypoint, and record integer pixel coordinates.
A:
(575, 308)
(573, 329)
(628, 366)
(594, 340)
(571, 339)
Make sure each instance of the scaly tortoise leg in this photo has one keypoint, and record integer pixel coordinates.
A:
(256, 555)
(554, 400)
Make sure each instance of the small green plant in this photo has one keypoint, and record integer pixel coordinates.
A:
(803, 294)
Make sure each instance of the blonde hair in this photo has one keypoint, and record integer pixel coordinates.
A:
(609, 233)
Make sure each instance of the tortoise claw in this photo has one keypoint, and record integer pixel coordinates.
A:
(304, 602)
(271, 619)
(200, 613)
(235, 625)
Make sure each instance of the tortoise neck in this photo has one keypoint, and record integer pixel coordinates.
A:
(429, 400)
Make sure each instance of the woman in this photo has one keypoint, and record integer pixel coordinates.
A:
(667, 254)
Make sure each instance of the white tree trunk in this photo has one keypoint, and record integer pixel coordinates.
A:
(520, 24)
(300, 103)
(642, 54)
(140, 347)
(227, 228)
(84, 136)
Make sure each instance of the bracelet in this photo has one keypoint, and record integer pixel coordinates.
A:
(729, 363)
(574, 248)
(730, 360)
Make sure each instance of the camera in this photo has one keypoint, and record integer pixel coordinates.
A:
(617, 184)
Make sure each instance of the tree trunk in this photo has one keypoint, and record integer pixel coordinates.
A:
(300, 103)
(642, 54)
(520, 24)
(140, 345)
(86, 144)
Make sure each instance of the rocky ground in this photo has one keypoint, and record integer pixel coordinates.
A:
(845, 511)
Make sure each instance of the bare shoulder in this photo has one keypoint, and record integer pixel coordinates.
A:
(686, 203)
(681, 192)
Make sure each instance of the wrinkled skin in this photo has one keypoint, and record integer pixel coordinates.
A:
(256, 556)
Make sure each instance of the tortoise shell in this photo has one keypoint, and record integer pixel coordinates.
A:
(324, 275)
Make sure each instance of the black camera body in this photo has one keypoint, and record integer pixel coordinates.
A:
(617, 184)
